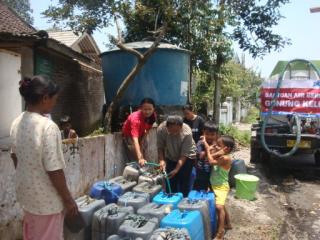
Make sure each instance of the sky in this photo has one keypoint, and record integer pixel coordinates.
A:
(298, 24)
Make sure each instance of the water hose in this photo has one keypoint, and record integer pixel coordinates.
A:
(156, 165)
(296, 116)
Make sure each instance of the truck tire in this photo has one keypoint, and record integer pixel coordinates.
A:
(265, 156)
(254, 151)
(255, 155)
(317, 158)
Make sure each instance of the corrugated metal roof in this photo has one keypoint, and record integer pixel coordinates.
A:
(65, 37)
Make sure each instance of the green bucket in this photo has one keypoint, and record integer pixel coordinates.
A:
(246, 186)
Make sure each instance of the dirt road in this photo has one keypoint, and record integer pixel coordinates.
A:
(287, 205)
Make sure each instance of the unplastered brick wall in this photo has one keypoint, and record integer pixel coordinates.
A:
(81, 96)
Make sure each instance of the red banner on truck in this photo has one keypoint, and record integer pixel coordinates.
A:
(295, 96)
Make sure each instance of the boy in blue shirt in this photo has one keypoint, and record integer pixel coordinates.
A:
(203, 168)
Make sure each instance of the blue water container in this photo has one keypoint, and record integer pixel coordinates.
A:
(108, 191)
(168, 198)
(191, 220)
(209, 196)
(164, 77)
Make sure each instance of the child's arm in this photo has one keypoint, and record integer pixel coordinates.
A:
(215, 157)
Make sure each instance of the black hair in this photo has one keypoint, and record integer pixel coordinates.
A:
(187, 107)
(228, 141)
(150, 120)
(65, 119)
(210, 126)
(148, 100)
(174, 120)
(35, 88)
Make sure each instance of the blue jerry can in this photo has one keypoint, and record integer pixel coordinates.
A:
(209, 196)
(168, 198)
(191, 220)
(108, 191)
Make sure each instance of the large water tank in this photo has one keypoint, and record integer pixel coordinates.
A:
(164, 77)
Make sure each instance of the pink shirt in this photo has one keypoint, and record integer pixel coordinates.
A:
(135, 125)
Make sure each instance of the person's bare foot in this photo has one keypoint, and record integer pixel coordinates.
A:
(227, 226)
(220, 235)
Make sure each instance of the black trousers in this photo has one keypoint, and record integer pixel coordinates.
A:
(181, 181)
(202, 181)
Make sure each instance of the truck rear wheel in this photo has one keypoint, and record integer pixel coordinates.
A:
(254, 151)
(317, 158)
(255, 155)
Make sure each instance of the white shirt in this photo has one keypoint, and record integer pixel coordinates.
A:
(36, 141)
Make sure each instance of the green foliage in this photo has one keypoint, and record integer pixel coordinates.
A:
(242, 137)
(252, 116)
(253, 22)
(238, 83)
(22, 7)
(97, 132)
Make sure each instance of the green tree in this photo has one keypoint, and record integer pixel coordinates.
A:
(205, 27)
(201, 26)
(22, 7)
(86, 16)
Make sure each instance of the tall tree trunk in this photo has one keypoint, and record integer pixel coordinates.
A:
(218, 65)
(217, 89)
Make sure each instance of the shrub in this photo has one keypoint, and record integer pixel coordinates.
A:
(241, 136)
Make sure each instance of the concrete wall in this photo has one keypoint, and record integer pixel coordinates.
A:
(88, 160)
(10, 100)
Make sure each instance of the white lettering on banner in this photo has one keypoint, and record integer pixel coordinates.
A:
(313, 95)
(296, 103)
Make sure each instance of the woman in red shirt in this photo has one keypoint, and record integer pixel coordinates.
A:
(136, 127)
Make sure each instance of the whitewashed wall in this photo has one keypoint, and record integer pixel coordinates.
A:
(90, 159)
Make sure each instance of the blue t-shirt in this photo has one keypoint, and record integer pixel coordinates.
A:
(202, 163)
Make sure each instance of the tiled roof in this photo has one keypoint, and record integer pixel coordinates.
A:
(65, 37)
(12, 23)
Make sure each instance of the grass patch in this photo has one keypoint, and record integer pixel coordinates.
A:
(252, 116)
(241, 136)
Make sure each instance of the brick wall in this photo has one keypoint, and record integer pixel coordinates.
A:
(81, 96)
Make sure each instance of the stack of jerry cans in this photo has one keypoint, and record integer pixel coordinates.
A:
(170, 233)
(190, 220)
(131, 172)
(152, 210)
(201, 205)
(126, 185)
(107, 191)
(107, 220)
(151, 178)
(135, 226)
(149, 188)
(168, 198)
(209, 196)
(87, 206)
(136, 200)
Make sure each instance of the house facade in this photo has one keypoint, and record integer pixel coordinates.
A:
(74, 65)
